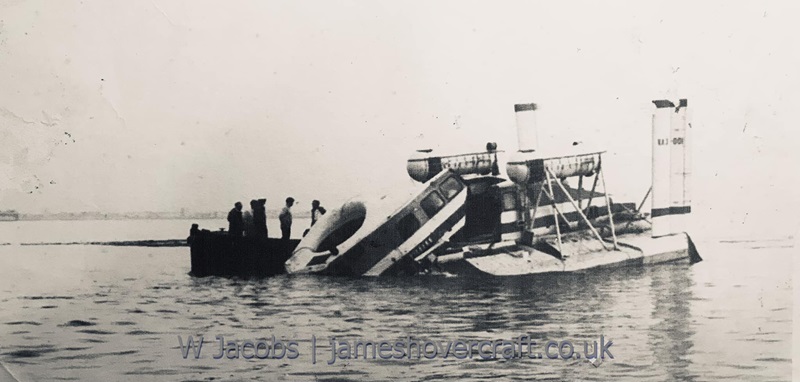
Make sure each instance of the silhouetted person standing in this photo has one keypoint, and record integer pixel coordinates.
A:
(248, 219)
(315, 213)
(193, 232)
(235, 222)
(260, 218)
(286, 219)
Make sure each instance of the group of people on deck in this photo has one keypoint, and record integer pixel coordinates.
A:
(253, 223)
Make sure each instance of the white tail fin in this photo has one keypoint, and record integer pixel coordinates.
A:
(661, 168)
(671, 168)
(679, 171)
(687, 161)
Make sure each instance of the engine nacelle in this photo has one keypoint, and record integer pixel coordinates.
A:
(423, 166)
(529, 167)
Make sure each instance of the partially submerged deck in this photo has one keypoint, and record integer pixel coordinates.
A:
(580, 254)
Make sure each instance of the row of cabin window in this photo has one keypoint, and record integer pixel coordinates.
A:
(431, 204)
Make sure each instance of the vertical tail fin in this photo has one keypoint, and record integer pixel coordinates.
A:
(671, 168)
(661, 169)
(679, 170)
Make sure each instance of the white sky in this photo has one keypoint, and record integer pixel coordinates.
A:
(158, 105)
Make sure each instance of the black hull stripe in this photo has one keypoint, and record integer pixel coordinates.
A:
(438, 232)
(363, 257)
(316, 260)
(656, 212)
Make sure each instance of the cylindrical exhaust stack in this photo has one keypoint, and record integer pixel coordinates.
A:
(527, 134)
(671, 168)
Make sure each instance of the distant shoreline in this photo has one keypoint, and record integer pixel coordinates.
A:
(56, 218)
(126, 243)
(140, 216)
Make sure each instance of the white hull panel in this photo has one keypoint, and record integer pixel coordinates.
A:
(515, 260)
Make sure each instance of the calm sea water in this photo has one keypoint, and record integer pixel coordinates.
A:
(98, 313)
(62, 231)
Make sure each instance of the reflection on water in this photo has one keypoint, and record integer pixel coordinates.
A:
(670, 335)
(103, 313)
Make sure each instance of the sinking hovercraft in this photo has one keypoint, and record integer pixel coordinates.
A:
(465, 219)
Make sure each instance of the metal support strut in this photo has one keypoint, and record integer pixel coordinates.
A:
(578, 209)
(608, 204)
(555, 215)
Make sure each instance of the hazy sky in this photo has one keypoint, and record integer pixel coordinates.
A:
(161, 105)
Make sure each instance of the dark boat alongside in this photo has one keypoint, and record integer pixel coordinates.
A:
(220, 254)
